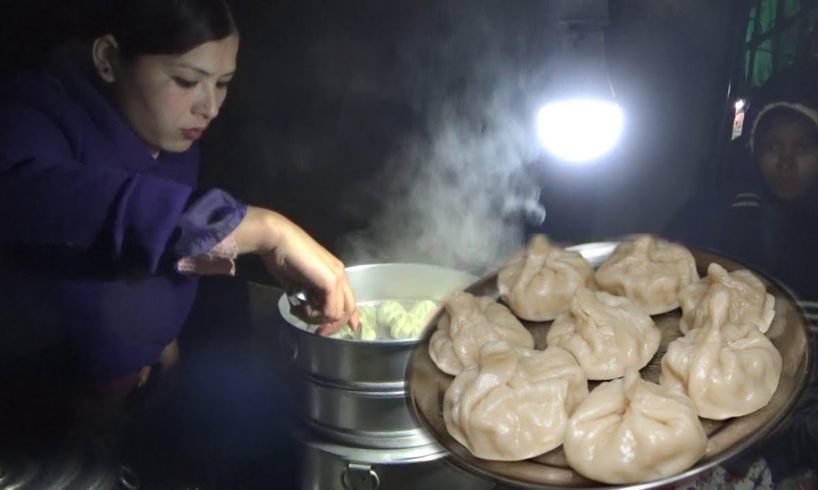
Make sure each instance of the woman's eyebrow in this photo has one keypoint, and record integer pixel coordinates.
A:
(201, 71)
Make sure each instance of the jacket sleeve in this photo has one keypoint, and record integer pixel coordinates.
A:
(50, 200)
(206, 242)
(698, 222)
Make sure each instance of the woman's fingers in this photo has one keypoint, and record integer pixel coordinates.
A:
(329, 296)
(350, 306)
(330, 328)
(333, 310)
(302, 264)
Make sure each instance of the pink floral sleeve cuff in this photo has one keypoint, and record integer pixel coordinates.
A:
(219, 260)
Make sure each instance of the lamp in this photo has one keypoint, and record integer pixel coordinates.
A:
(581, 120)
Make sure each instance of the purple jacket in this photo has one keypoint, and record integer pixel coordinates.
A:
(92, 226)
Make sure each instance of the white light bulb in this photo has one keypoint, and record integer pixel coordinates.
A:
(739, 104)
(580, 130)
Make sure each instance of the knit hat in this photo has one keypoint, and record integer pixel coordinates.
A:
(809, 112)
(794, 87)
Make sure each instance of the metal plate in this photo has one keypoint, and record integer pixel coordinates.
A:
(727, 438)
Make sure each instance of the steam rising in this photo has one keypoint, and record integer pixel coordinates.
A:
(457, 192)
(461, 195)
(412, 121)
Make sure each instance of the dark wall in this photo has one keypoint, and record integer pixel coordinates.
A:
(30, 28)
(671, 62)
(398, 116)
(404, 129)
(349, 115)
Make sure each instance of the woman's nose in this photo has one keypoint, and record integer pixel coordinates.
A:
(207, 105)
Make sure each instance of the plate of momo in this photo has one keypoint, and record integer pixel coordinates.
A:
(635, 363)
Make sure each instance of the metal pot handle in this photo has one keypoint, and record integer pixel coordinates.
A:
(288, 345)
(358, 476)
(128, 480)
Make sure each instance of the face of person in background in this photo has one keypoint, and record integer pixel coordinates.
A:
(787, 155)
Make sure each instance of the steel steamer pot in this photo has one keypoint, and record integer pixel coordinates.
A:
(360, 431)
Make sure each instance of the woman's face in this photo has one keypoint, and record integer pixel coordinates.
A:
(788, 156)
(169, 100)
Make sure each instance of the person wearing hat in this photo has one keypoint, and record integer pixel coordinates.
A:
(765, 216)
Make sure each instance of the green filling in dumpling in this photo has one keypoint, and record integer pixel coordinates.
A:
(411, 324)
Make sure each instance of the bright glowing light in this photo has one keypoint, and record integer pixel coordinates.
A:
(740, 104)
(580, 130)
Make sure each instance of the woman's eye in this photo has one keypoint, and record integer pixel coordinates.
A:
(223, 84)
(184, 83)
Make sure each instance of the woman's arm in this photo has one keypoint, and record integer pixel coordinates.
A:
(50, 200)
(299, 263)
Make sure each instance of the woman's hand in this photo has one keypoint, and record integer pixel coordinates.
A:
(300, 264)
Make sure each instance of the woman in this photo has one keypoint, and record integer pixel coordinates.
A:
(104, 231)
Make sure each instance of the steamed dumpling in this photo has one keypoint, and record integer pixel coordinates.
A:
(368, 325)
(606, 334)
(403, 328)
(749, 300)
(726, 369)
(471, 322)
(389, 312)
(422, 311)
(648, 271)
(539, 284)
(411, 324)
(630, 430)
(515, 403)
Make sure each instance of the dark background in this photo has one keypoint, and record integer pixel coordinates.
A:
(403, 130)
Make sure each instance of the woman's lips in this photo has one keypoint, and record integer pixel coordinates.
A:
(192, 134)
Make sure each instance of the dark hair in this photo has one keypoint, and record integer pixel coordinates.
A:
(145, 27)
